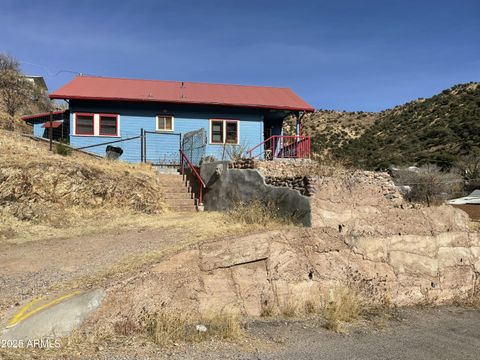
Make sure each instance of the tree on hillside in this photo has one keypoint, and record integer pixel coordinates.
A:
(15, 91)
(469, 166)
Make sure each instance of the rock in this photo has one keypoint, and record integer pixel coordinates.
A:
(201, 328)
(404, 262)
(58, 320)
(451, 256)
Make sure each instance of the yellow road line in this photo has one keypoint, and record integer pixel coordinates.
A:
(22, 315)
(13, 321)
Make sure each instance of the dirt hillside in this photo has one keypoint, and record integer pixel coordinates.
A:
(41, 189)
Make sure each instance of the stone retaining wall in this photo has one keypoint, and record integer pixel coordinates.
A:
(303, 184)
(247, 274)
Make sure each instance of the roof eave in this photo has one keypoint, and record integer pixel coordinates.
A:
(252, 106)
(34, 116)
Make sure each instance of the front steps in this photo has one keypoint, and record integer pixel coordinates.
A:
(177, 193)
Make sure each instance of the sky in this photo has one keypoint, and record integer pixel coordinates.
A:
(341, 54)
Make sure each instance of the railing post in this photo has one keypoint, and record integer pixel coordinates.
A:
(141, 145)
(181, 162)
(50, 131)
(274, 149)
(144, 146)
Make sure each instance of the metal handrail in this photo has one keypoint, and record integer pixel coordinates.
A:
(256, 146)
(275, 140)
(184, 157)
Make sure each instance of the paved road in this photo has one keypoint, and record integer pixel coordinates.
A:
(422, 334)
(442, 333)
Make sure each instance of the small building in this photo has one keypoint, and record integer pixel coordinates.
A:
(38, 82)
(57, 120)
(154, 120)
(470, 204)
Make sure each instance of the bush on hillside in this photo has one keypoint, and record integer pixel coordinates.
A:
(428, 184)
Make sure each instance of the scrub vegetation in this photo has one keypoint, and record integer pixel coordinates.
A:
(41, 192)
(171, 326)
(18, 95)
(257, 212)
(440, 130)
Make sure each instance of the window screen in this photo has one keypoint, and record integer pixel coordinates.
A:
(84, 124)
(231, 132)
(217, 132)
(108, 125)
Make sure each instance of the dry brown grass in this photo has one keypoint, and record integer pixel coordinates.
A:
(268, 310)
(292, 304)
(44, 195)
(170, 326)
(81, 221)
(257, 212)
(345, 306)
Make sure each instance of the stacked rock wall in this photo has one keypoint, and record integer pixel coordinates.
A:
(245, 275)
(363, 235)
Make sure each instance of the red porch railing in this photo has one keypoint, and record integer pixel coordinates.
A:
(280, 146)
(201, 184)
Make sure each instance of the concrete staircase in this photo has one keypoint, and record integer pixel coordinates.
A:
(178, 196)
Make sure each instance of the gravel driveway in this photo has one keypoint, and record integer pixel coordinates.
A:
(33, 268)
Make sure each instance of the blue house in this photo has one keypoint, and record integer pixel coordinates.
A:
(152, 121)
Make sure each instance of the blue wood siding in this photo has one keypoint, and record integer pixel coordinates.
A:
(136, 116)
(39, 130)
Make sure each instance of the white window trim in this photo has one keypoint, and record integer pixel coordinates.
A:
(96, 125)
(164, 130)
(224, 132)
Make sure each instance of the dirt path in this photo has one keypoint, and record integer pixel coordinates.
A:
(33, 268)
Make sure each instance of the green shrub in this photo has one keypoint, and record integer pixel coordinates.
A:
(62, 149)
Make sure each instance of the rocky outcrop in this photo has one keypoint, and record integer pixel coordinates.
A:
(244, 275)
(226, 188)
(390, 250)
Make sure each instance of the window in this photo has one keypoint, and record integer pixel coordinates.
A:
(217, 132)
(231, 132)
(90, 124)
(224, 131)
(108, 125)
(84, 124)
(164, 123)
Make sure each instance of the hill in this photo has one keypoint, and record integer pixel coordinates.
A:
(331, 130)
(42, 193)
(438, 130)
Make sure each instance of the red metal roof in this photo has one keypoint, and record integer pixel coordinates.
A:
(55, 124)
(116, 89)
(42, 115)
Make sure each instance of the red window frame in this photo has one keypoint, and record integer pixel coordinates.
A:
(100, 124)
(76, 123)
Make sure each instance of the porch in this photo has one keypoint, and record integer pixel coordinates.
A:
(277, 144)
